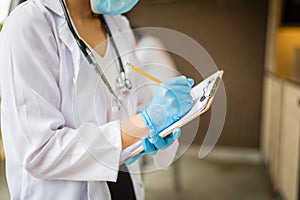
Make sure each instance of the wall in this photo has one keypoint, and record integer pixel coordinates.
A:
(233, 32)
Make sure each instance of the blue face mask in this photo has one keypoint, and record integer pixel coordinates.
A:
(112, 7)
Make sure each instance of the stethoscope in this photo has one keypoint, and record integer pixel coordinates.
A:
(121, 82)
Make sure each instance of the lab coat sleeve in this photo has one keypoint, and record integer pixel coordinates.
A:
(45, 146)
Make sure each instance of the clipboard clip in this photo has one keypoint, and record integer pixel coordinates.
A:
(212, 91)
(215, 87)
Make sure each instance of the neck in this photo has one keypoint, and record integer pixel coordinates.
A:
(79, 9)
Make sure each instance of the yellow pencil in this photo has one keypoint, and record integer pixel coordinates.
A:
(144, 73)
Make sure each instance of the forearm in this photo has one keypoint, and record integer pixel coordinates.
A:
(132, 130)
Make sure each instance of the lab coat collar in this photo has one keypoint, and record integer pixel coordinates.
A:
(63, 29)
(67, 38)
(54, 6)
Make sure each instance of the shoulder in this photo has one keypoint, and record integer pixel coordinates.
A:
(28, 26)
(27, 20)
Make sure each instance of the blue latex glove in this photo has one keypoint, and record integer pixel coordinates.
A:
(171, 101)
(158, 143)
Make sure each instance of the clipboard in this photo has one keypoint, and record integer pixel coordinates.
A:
(203, 95)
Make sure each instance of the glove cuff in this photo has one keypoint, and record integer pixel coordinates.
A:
(147, 120)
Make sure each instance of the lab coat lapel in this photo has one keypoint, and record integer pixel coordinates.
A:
(69, 41)
(65, 34)
(54, 6)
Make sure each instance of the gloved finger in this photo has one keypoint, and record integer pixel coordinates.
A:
(179, 80)
(158, 141)
(173, 136)
(180, 89)
(149, 148)
(134, 158)
(176, 133)
(190, 81)
(169, 140)
(184, 106)
(180, 95)
(176, 80)
(183, 80)
(187, 98)
(177, 100)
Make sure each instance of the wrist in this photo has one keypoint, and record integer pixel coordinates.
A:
(132, 130)
(147, 120)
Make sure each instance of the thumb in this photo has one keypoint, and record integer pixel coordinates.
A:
(176, 133)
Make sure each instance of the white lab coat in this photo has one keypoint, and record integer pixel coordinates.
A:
(45, 157)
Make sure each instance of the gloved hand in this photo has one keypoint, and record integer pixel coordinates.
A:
(158, 143)
(171, 101)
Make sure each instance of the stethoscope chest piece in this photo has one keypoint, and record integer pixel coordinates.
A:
(123, 84)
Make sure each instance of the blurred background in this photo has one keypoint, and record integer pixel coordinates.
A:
(257, 43)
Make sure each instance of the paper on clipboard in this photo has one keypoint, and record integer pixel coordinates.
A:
(203, 94)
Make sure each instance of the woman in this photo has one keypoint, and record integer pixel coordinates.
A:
(58, 149)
